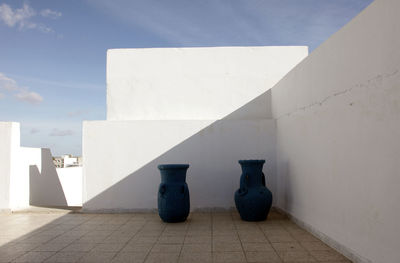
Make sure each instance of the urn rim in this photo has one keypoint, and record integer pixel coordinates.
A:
(252, 161)
(172, 166)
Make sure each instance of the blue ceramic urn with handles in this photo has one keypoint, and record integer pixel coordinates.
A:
(173, 193)
(253, 200)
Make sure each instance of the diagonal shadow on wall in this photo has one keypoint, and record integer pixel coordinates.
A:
(212, 150)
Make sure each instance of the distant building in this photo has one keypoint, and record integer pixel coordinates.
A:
(67, 160)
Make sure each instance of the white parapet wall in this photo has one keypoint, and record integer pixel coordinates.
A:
(54, 187)
(338, 128)
(9, 147)
(28, 176)
(121, 158)
(208, 107)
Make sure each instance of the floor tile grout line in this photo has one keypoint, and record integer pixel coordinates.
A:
(180, 251)
(126, 243)
(308, 252)
(240, 240)
(96, 244)
(148, 253)
(276, 251)
(43, 244)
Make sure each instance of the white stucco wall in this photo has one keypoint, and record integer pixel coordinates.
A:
(338, 130)
(208, 107)
(71, 182)
(9, 145)
(19, 181)
(52, 187)
(192, 83)
(121, 157)
(28, 176)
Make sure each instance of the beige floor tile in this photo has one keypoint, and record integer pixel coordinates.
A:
(228, 257)
(65, 239)
(34, 257)
(24, 247)
(137, 247)
(254, 247)
(264, 256)
(7, 256)
(312, 246)
(226, 238)
(198, 232)
(296, 256)
(66, 257)
(117, 239)
(98, 233)
(188, 248)
(79, 247)
(130, 257)
(253, 238)
(149, 233)
(162, 257)
(288, 246)
(91, 239)
(305, 238)
(140, 239)
(108, 247)
(281, 238)
(37, 239)
(171, 239)
(197, 239)
(50, 246)
(275, 232)
(196, 257)
(97, 257)
(166, 248)
(227, 247)
(327, 255)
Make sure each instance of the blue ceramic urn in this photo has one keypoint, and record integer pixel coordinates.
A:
(253, 200)
(173, 193)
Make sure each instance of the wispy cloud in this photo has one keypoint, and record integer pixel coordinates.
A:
(50, 13)
(57, 132)
(29, 96)
(7, 83)
(23, 18)
(10, 86)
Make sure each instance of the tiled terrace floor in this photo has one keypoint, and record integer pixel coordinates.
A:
(140, 237)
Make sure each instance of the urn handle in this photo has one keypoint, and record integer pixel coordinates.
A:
(243, 184)
(163, 188)
(263, 179)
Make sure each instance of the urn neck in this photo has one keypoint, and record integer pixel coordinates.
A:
(252, 170)
(171, 173)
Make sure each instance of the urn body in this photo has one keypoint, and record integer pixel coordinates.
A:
(253, 199)
(173, 193)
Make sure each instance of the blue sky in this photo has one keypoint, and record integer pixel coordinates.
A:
(53, 53)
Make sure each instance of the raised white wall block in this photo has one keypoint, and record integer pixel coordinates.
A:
(338, 128)
(192, 83)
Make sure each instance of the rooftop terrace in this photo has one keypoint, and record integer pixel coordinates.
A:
(143, 237)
